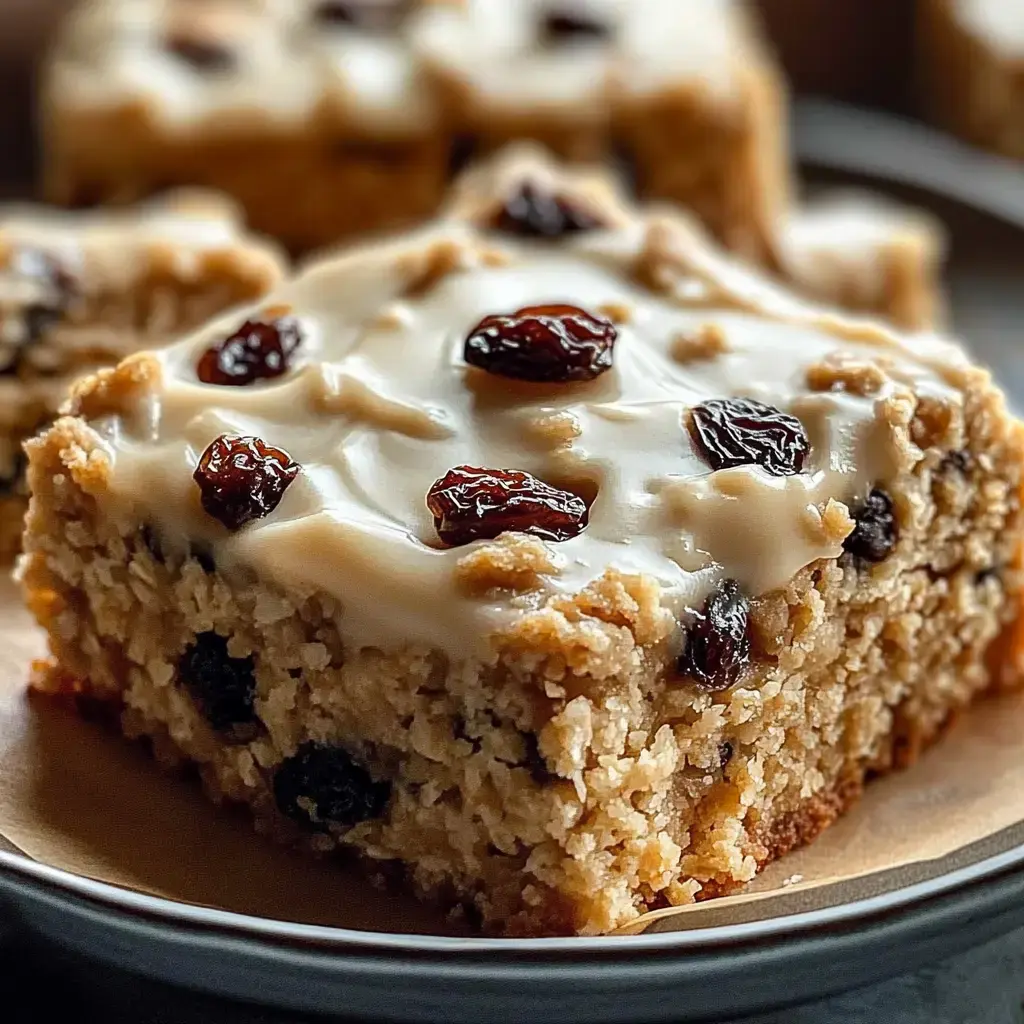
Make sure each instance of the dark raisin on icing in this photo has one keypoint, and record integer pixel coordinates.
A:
(532, 212)
(242, 478)
(572, 22)
(258, 350)
(717, 645)
(366, 15)
(730, 432)
(43, 290)
(875, 530)
(223, 687)
(471, 504)
(207, 55)
(321, 785)
(543, 344)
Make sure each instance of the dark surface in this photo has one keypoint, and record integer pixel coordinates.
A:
(37, 984)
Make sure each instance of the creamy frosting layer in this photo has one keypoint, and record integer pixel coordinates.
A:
(379, 404)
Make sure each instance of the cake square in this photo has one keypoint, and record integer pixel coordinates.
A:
(868, 255)
(330, 118)
(575, 572)
(83, 290)
(314, 116)
(970, 65)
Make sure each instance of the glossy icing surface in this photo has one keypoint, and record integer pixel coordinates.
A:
(379, 403)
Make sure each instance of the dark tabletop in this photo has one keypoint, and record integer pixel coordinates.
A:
(40, 984)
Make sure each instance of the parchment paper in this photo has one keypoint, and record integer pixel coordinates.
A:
(76, 796)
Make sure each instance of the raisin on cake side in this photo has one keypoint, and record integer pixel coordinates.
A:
(83, 290)
(545, 553)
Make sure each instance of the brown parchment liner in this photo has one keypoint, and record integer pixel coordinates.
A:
(76, 796)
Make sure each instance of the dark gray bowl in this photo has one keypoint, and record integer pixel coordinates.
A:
(702, 974)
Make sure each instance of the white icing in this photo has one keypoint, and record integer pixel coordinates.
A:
(379, 405)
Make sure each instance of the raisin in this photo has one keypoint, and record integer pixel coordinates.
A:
(258, 350)
(203, 54)
(717, 645)
(875, 530)
(367, 15)
(534, 213)
(478, 504)
(562, 24)
(742, 432)
(321, 785)
(222, 686)
(242, 478)
(544, 344)
(725, 753)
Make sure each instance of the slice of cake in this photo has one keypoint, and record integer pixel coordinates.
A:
(970, 65)
(79, 291)
(313, 114)
(685, 94)
(866, 254)
(576, 572)
(328, 118)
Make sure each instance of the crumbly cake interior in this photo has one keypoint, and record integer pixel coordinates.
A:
(83, 290)
(555, 732)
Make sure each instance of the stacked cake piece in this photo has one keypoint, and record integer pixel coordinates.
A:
(545, 553)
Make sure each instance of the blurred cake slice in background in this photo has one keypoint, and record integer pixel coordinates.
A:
(333, 118)
(855, 250)
(864, 253)
(970, 65)
(83, 290)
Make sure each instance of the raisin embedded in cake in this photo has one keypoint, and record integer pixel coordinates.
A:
(79, 291)
(450, 553)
